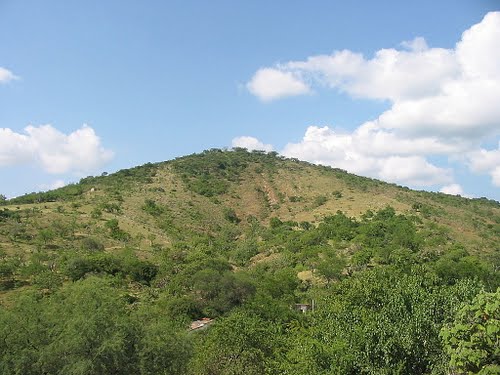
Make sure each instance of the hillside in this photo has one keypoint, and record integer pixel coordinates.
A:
(240, 237)
(197, 191)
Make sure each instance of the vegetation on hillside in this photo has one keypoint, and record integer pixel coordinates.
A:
(104, 276)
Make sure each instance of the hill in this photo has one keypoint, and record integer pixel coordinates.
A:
(197, 192)
(240, 237)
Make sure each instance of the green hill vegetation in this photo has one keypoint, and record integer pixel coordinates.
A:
(105, 276)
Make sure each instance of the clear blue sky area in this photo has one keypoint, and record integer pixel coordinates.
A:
(159, 79)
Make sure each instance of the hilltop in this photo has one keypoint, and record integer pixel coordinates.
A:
(241, 237)
(200, 192)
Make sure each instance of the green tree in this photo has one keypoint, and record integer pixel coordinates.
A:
(45, 236)
(8, 268)
(384, 322)
(116, 232)
(472, 341)
(23, 335)
(90, 331)
(331, 266)
(164, 348)
(242, 343)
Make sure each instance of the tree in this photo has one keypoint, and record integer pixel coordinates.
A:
(8, 268)
(116, 232)
(242, 343)
(44, 236)
(331, 266)
(90, 330)
(472, 341)
(384, 322)
(164, 348)
(22, 335)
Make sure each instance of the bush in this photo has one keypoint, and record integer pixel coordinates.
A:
(152, 208)
(91, 244)
(230, 215)
(319, 201)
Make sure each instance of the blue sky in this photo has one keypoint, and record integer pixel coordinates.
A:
(378, 88)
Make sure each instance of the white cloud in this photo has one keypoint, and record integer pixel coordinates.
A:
(495, 176)
(56, 152)
(413, 170)
(442, 102)
(478, 51)
(269, 84)
(391, 74)
(453, 189)
(376, 141)
(15, 148)
(354, 153)
(433, 91)
(57, 184)
(54, 185)
(465, 109)
(486, 161)
(251, 143)
(6, 75)
(418, 44)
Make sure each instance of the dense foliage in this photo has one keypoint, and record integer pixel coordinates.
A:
(107, 281)
(473, 339)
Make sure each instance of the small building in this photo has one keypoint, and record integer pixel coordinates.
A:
(303, 307)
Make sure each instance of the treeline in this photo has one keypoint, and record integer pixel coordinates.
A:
(117, 181)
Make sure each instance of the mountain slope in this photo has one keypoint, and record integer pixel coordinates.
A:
(196, 192)
(116, 266)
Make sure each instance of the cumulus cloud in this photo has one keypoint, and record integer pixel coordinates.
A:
(349, 151)
(495, 176)
(269, 84)
(433, 91)
(6, 75)
(391, 74)
(53, 185)
(375, 141)
(15, 148)
(250, 143)
(443, 101)
(453, 189)
(486, 161)
(413, 170)
(55, 152)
